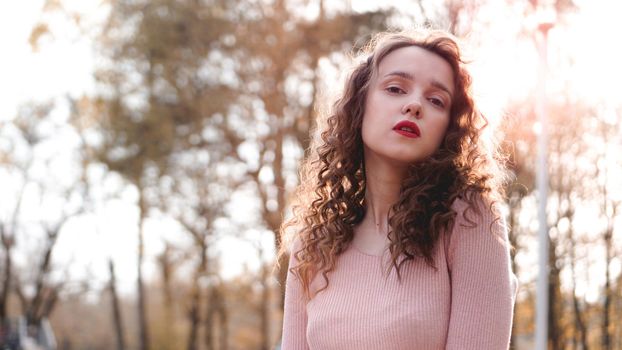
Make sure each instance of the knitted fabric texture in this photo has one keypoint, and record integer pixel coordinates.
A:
(466, 303)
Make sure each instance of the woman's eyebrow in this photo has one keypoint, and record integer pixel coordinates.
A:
(441, 86)
(401, 74)
(408, 76)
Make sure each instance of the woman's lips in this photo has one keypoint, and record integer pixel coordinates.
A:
(407, 133)
(407, 128)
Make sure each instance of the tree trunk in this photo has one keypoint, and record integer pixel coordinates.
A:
(34, 312)
(195, 306)
(579, 322)
(224, 327)
(193, 314)
(166, 268)
(7, 236)
(209, 318)
(618, 311)
(555, 300)
(216, 308)
(264, 309)
(6, 273)
(609, 209)
(116, 310)
(606, 338)
(142, 298)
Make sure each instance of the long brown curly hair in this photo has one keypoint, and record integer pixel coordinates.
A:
(330, 200)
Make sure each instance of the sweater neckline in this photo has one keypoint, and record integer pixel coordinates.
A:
(360, 252)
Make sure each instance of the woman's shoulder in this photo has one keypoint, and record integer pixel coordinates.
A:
(478, 223)
(477, 216)
(476, 208)
(291, 239)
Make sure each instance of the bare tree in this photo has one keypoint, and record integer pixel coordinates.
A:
(216, 308)
(54, 195)
(7, 237)
(609, 209)
(567, 148)
(116, 311)
(167, 48)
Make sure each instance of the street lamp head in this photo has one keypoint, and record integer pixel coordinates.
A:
(545, 26)
(545, 16)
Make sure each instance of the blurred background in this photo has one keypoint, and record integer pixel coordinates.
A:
(148, 151)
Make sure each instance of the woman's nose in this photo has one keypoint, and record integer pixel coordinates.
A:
(412, 108)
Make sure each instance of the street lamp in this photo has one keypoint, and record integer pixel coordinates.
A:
(545, 23)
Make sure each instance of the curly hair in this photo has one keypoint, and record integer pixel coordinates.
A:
(330, 200)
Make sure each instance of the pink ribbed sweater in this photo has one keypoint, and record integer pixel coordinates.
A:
(467, 303)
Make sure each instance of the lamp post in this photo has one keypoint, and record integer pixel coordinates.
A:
(542, 180)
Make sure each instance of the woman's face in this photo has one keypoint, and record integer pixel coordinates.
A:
(407, 106)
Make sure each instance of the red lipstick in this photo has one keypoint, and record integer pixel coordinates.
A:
(407, 128)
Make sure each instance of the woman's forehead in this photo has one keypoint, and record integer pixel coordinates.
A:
(414, 62)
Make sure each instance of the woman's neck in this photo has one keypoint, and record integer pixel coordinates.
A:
(383, 181)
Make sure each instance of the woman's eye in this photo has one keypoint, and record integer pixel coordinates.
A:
(437, 101)
(395, 90)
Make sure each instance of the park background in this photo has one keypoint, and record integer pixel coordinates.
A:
(148, 151)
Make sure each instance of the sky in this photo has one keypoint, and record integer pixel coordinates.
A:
(503, 70)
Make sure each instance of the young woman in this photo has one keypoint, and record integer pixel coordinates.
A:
(396, 238)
